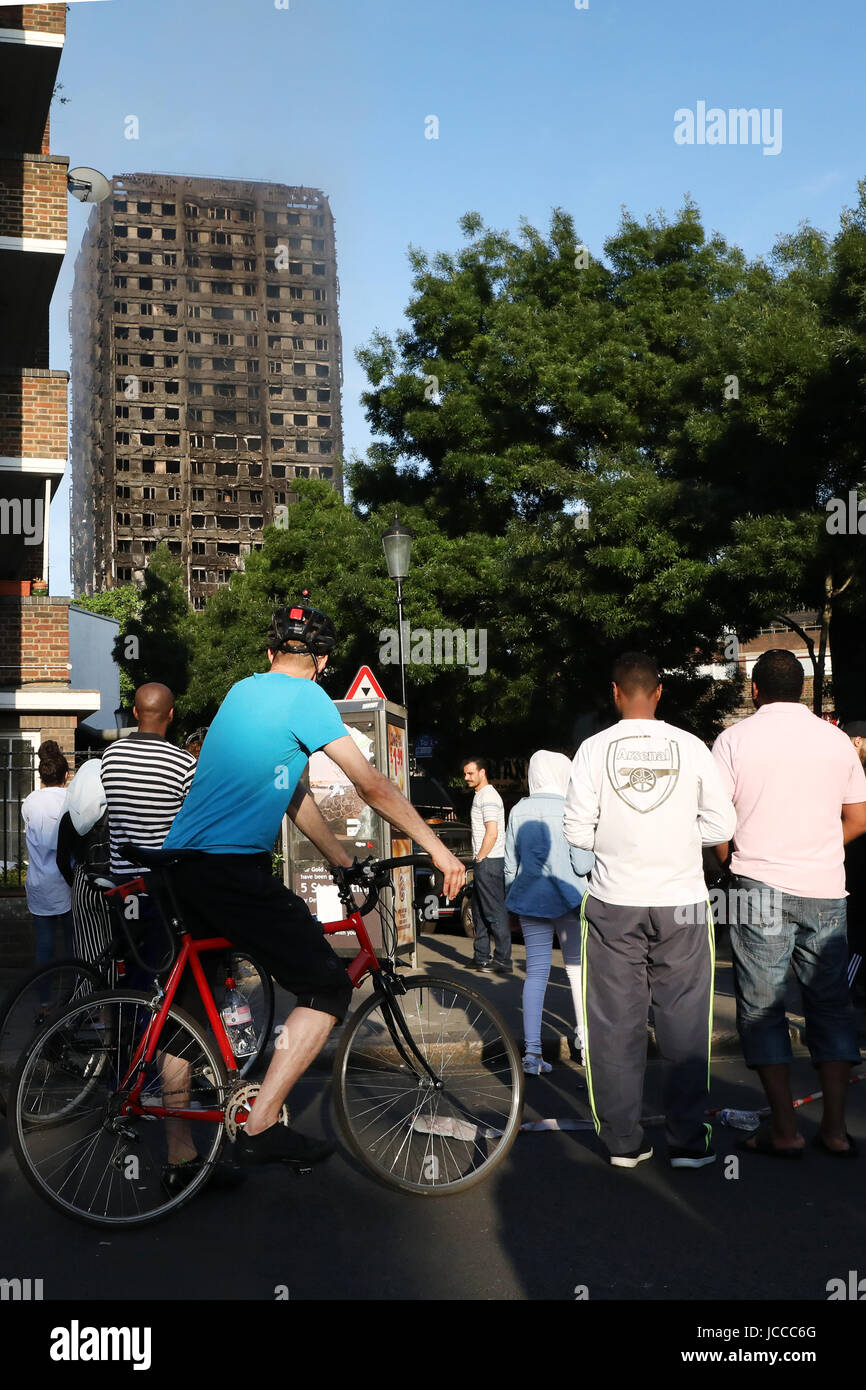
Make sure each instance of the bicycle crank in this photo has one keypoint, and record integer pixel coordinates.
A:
(240, 1102)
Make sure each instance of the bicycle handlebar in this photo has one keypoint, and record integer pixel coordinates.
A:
(373, 875)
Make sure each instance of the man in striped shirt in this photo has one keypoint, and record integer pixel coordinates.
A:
(145, 778)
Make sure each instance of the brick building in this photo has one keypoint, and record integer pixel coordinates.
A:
(775, 637)
(206, 372)
(36, 699)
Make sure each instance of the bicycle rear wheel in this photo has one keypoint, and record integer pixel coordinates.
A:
(429, 1137)
(81, 1152)
(36, 1000)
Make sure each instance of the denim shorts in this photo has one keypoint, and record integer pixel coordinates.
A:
(771, 931)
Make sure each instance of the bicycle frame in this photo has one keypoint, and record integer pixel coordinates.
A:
(365, 962)
(189, 953)
(384, 982)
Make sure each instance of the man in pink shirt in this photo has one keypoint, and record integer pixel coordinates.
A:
(799, 791)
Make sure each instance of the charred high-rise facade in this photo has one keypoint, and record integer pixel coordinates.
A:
(206, 372)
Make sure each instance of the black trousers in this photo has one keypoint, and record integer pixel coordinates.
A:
(490, 913)
(237, 896)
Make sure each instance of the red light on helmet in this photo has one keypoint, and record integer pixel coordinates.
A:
(296, 613)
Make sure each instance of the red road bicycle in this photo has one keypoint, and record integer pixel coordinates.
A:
(427, 1079)
(48, 990)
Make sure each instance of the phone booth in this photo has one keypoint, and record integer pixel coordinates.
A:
(378, 727)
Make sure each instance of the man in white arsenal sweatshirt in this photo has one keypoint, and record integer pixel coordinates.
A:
(645, 797)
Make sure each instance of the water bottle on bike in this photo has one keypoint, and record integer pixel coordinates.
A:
(238, 1021)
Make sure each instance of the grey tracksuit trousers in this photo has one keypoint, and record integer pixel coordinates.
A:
(633, 956)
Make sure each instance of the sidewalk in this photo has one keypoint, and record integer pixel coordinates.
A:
(448, 954)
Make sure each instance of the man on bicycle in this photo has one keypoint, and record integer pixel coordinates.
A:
(247, 777)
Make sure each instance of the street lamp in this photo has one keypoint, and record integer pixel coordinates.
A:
(397, 544)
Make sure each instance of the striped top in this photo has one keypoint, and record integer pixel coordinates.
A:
(145, 780)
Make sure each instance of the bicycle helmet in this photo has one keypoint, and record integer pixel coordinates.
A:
(302, 628)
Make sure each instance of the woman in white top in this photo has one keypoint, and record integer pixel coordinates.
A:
(48, 895)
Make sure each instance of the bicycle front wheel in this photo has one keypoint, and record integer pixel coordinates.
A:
(36, 1000)
(424, 1134)
(77, 1139)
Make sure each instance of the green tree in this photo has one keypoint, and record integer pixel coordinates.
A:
(156, 644)
(336, 553)
(654, 436)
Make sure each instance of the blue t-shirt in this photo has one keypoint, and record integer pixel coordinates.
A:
(251, 761)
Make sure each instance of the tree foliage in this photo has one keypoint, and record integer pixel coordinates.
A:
(156, 643)
(654, 434)
(595, 451)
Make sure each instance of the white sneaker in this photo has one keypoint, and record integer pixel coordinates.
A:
(535, 1065)
(633, 1159)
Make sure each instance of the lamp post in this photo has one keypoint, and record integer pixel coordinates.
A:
(397, 544)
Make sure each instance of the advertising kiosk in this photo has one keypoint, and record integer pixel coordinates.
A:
(379, 729)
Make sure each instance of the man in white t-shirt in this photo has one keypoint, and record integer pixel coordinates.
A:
(645, 797)
(488, 890)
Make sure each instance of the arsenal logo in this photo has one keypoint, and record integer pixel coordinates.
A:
(642, 771)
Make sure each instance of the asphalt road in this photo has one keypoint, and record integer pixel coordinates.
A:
(555, 1217)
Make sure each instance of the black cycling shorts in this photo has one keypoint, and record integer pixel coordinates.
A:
(237, 896)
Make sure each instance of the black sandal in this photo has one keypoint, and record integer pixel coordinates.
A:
(851, 1152)
(764, 1145)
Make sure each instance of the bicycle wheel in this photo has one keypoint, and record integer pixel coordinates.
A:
(38, 999)
(409, 1132)
(83, 1154)
(257, 987)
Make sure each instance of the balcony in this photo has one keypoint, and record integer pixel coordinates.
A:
(29, 59)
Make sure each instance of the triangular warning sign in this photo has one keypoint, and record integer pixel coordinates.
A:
(365, 686)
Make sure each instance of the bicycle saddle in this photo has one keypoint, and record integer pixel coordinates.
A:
(157, 858)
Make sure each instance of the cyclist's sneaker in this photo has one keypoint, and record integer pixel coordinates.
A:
(281, 1145)
(176, 1176)
(691, 1158)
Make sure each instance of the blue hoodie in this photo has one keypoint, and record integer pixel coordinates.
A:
(540, 879)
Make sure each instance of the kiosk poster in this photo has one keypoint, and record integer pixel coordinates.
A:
(396, 760)
(346, 814)
(402, 877)
(403, 895)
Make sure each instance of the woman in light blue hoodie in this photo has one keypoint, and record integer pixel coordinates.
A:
(545, 882)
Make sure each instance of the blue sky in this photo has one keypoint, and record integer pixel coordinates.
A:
(539, 104)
